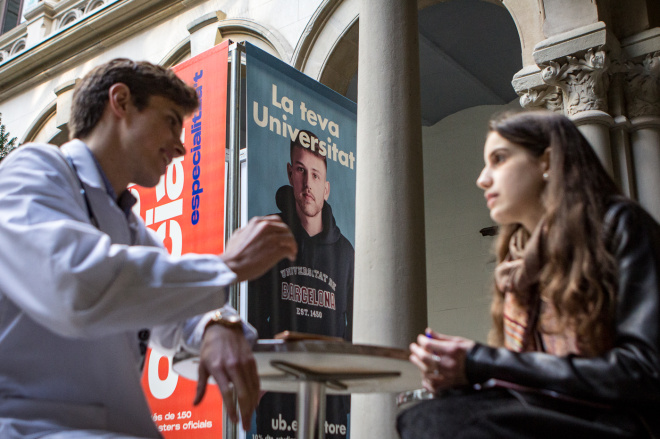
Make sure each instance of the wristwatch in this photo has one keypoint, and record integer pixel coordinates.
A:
(228, 320)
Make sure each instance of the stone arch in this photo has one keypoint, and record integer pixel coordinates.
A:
(538, 21)
(212, 29)
(19, 46)
(528, 18)
(70, 17)
(177, 55)
(328, 50)
(91, 6)
(340, 70)
(43, 128)
(241, 29)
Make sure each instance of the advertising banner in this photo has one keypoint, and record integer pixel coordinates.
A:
(301, 160)
(186, 209)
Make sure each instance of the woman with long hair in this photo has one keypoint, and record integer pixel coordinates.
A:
(574, 350)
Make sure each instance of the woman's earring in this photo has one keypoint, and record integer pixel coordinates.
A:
(545, 175)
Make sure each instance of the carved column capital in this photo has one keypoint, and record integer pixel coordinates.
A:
(582, 80)
(643, 86)
(548, 97)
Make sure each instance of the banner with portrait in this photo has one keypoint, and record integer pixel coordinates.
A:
(301, 161)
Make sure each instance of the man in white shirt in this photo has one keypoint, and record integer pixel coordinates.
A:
(81, 275)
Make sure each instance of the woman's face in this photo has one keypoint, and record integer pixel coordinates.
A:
(513, 182)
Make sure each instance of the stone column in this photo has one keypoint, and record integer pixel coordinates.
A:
(645, 139)
(619, 134)
(643, 105)
(595, 126)
(390, 265)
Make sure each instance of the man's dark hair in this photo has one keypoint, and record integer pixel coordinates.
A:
(143, 80)
(296, 144)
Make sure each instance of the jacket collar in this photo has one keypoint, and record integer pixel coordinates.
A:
(114, 219)
(88, 169)
(91, 174)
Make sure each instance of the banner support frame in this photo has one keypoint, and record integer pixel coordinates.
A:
(233, 220)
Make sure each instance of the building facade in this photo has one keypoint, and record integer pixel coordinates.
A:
(430, 74)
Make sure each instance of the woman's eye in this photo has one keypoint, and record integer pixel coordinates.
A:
(498, 158)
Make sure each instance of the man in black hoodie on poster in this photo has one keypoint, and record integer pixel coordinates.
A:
(313, 294)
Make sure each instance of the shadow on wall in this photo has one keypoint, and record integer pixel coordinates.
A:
(459, 259)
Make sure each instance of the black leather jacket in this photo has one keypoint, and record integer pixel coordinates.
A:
(628, 375)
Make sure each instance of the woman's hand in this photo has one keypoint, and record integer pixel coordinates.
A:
(441, 359)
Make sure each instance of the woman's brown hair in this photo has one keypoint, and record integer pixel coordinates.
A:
(578, 275)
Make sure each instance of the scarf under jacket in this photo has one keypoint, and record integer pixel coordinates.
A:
(530, 319)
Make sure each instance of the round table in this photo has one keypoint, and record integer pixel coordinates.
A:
(314, 368)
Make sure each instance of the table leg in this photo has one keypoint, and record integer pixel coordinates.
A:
(311, 410)
(228, 427)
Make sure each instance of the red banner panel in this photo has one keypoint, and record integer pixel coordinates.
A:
(186, 210)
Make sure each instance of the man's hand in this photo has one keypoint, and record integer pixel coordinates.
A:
(254, 249)
(227, 356)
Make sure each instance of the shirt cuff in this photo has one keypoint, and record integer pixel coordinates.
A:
(193, 342)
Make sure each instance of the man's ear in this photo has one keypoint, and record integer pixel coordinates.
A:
(326, 193)
(289, 172)
(119, 98)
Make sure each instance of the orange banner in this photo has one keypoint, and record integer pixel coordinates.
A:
(186, 209)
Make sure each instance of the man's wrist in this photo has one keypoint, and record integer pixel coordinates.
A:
(222, 318)
(230, 261)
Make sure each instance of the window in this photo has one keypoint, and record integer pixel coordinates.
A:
(10, 14)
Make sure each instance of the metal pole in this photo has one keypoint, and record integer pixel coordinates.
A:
(232, 216)
(233, 185)
(311, 410)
